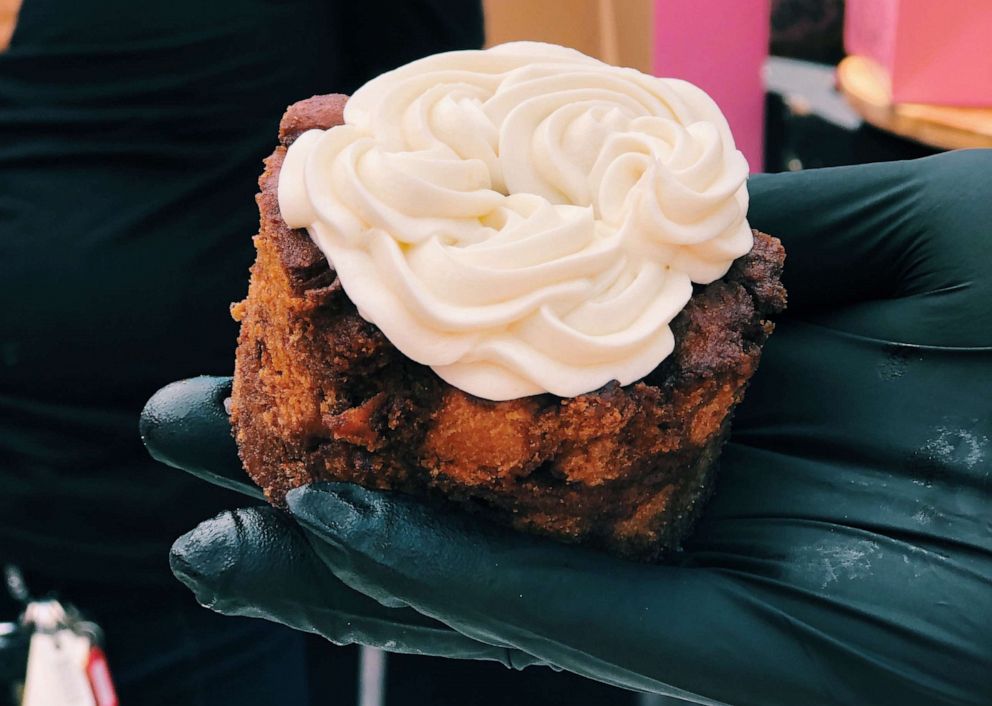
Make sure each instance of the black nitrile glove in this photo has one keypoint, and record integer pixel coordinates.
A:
(846, 557)
(244, 561)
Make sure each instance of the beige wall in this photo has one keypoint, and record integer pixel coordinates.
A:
(616, 31)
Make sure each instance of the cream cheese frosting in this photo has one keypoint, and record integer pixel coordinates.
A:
(523, 219)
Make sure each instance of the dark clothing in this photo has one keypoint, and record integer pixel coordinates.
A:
(131, 137)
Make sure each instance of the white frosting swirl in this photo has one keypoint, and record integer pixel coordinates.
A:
(523, 219)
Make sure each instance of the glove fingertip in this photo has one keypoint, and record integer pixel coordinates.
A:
(188, 574)
(174, 418)
(204, 557)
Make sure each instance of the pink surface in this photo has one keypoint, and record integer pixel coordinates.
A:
(721, 47)
(935, 52)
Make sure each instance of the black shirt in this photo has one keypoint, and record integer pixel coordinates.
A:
(131, 138)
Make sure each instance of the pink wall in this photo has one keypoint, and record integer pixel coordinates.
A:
(720, 45)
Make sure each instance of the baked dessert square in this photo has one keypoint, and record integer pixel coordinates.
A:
(322, 394)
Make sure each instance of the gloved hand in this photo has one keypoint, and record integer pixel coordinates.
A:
(846, 557)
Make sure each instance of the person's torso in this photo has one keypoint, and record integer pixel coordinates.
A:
(131, 136)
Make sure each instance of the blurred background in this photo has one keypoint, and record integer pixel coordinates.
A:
(805, 84)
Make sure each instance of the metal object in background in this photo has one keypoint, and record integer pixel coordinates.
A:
(371, 677)
(50, 655)
(809, 88)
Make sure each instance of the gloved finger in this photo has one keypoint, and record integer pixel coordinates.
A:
(256, 562)
(879, 231)
(185, 425)
(693, 632)
(473, 587)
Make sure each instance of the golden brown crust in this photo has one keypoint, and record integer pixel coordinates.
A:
(320, 394)
(317, 112)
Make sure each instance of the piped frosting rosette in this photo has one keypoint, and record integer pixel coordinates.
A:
(523, 219)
